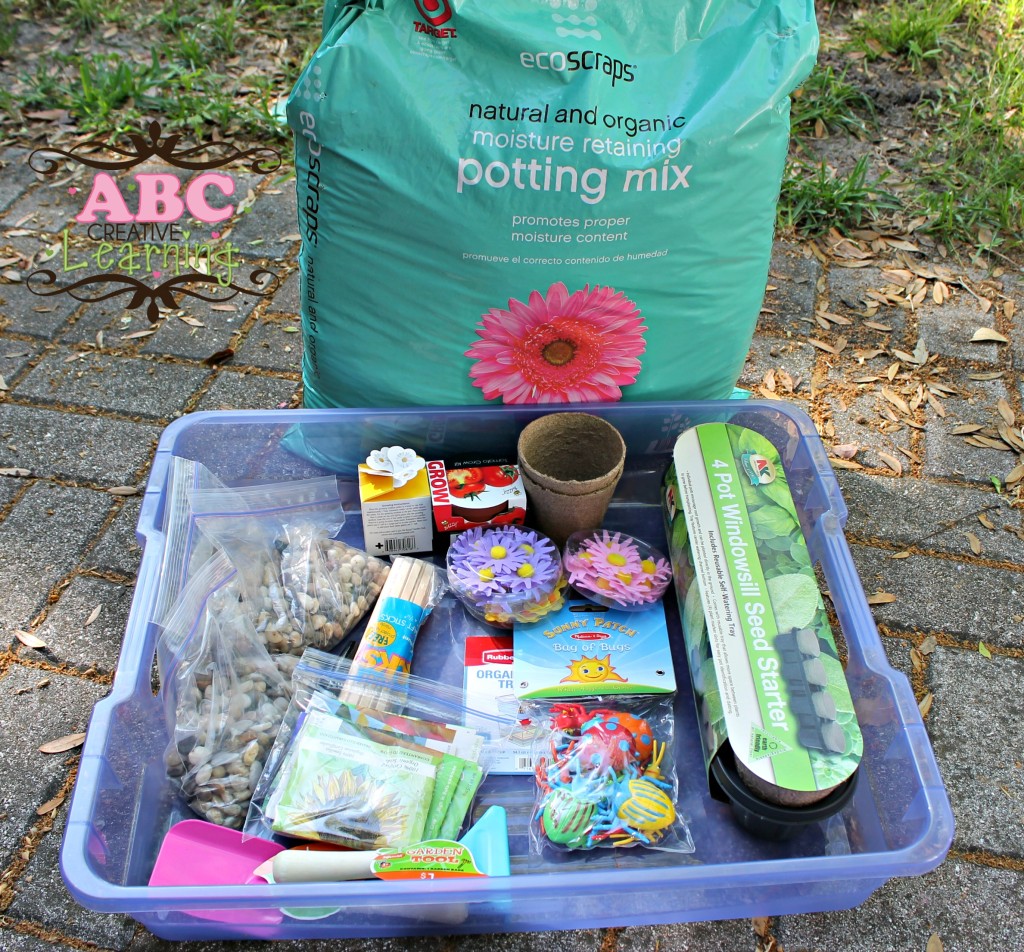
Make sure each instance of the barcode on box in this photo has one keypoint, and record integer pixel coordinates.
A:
(524, 762)
(405, 544)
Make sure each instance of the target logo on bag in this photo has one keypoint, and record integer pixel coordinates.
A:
(435, 12)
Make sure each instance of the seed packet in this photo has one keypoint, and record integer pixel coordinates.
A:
(349, 790)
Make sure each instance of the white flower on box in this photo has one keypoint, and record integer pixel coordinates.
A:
(399, 463)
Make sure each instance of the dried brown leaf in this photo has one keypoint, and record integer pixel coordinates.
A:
(28, 639)
(988, 334)
(50, 805)
(1015, 475)
(963, 429)
(934, 942)
(191, 321)
(123, 490)
(219, 357)
(891, 461)
(821, 345)
(881, 598)
(917, 659)
(928, 645)
(900, 555)
(1005, 411)
(62, 744)
(844, 463)
(974, 542)
(985, 521)
(987, 375)
(93, 615)
(940, 292)
(14, 471)
(846, 450)
(137, 334)
(925, 706)
(896, 400)
(877, 326)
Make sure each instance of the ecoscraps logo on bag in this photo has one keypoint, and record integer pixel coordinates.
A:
(166, 226)
(435, 13)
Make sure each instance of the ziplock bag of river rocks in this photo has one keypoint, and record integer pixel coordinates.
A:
(224, 694)
(304, 587)
(548, 202)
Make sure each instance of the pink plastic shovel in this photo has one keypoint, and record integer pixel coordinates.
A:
(199, 853)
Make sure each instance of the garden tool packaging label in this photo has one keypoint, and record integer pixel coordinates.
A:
(539, 202)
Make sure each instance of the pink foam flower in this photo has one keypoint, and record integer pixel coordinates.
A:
(616, 569)
(559, 347)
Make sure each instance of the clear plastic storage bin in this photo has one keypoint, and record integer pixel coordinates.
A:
(899, 823)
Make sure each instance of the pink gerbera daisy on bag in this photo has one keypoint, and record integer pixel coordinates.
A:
(560, 347)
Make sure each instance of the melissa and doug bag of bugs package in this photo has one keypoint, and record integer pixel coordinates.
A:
(539, 202)
(605, 776)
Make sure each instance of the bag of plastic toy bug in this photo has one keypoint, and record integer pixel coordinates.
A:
(605, 775)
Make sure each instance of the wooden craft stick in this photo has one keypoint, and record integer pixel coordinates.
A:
(386, 648)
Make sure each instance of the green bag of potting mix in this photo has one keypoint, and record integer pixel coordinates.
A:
(539, 202)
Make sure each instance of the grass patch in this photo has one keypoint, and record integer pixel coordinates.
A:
(912, 30)
(816, 199)
(828, 102)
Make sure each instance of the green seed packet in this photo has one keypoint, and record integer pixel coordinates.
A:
(352, 791)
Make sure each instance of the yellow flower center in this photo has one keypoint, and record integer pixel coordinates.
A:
(498, 552)
(624, 577)
(603, 583)
(648, 566)
(527, 548)
(487, 573)
(525, 570)
(616, 558)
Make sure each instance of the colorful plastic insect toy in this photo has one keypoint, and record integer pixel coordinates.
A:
(603, 782)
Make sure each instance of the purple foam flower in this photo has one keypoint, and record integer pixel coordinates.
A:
(499, 569)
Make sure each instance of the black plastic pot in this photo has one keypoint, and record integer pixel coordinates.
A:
(770, 820)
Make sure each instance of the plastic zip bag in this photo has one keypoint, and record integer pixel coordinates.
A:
(224, 696)
(371, 777)
(306, 587)
(605, 775)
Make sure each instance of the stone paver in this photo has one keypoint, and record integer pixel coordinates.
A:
(271, 345)
(241, 391)
(129, 386)
(932, 516)
(96, 644)
(42, 898)
(43, 537)
(957, 599)
(118, 550)
(72, 446)
(28, 777)
(970, 908)
(980, 746)
(949, 456)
